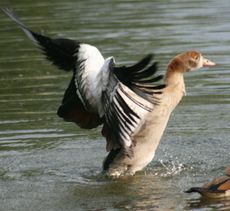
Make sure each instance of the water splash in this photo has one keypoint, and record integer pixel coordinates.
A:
(171, 168)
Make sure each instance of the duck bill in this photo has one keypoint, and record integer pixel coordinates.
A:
(208, 63)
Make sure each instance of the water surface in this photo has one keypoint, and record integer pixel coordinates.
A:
(48, 164)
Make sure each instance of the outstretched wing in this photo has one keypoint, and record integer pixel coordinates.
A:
(128, 96)
(141, 77)
(126, 105)
(68, 55)
(61, 52)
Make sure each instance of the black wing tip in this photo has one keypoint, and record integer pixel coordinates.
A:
(141, 77)
(194, 190)
(144, 61)
(148, 57)
(140, 65)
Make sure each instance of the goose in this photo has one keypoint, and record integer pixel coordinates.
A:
(217, 188)
(127, 101)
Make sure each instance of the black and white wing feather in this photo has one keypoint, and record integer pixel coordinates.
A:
(141, 78)
(130, 95)
(61, 52)
(124, 110)
(84, 60)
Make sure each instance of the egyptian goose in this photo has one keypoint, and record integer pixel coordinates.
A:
(217, 188)
(133, 110)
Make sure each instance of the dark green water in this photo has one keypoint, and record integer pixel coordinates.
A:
(48, 164)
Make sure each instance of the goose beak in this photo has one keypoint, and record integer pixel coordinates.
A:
(208, 63)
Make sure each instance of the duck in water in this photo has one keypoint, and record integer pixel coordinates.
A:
(217, 188)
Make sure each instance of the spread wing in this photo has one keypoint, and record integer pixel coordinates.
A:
(141, 77)
(67, 55)
(127, 102)
(61, 52)
(128, 97)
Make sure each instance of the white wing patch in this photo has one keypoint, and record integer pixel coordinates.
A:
(88, 76)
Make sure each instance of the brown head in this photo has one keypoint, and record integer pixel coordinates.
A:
(189, 61)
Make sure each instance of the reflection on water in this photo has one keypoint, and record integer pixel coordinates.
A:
(123, 194)
(215, 204)
(48, 164)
